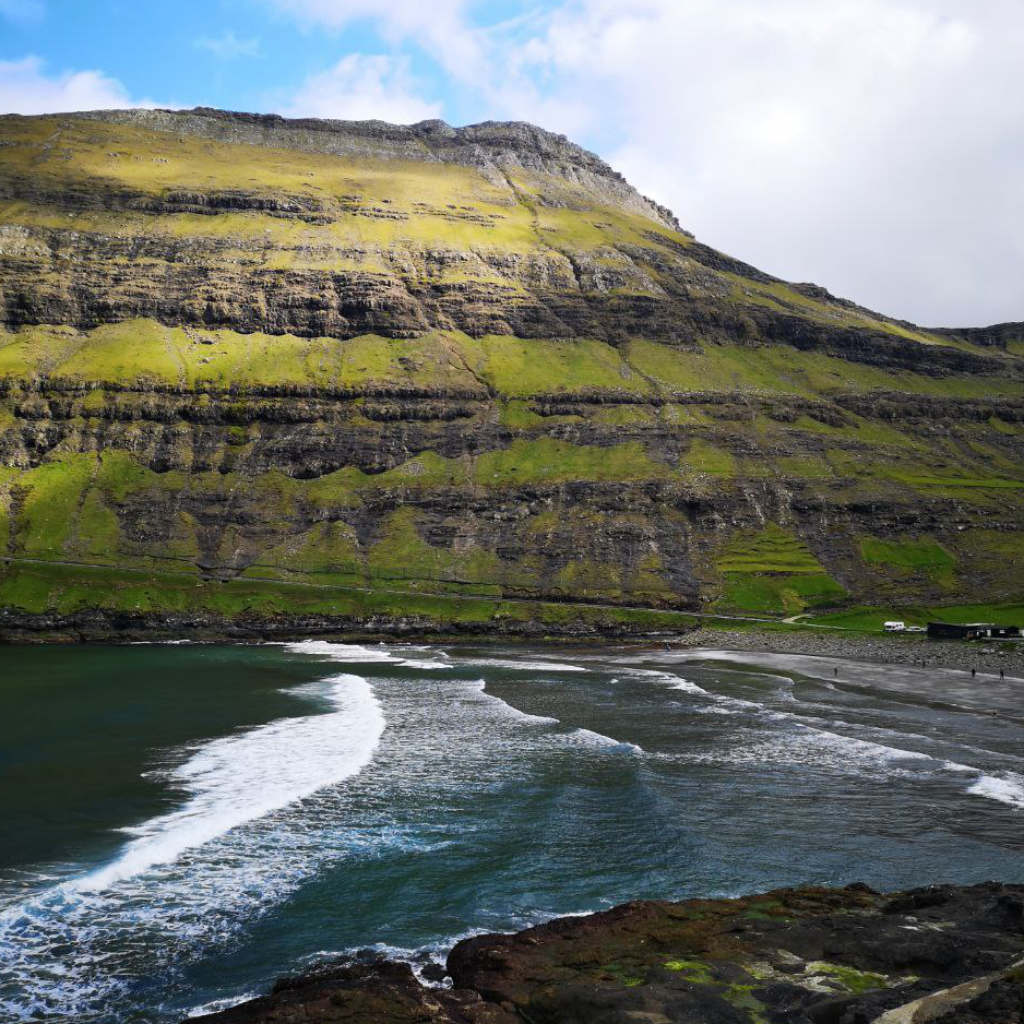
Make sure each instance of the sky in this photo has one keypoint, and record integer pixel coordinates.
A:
(872, 146)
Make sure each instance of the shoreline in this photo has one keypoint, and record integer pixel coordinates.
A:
(911, 650)
(987, 658)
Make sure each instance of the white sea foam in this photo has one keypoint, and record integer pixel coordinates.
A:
(358, 654)
(862, 750)
(678, 683)
(820, 749)
(802, 742)
(238, 778)
(584, 738)
(597, 740)
(216, 1005)
(342, 652)
(479, 686)
(825, 748)
(192, 875)
(160, 643)
(1008, 789)
(525, 666)
(797, 741)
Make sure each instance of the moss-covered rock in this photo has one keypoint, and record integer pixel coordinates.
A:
(953, 953)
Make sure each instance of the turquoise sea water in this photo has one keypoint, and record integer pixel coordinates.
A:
(182, 824)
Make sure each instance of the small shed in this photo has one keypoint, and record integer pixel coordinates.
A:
(971, 631)
(1004, 631)
(956, 631)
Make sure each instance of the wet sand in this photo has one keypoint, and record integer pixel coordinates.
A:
(987, 658)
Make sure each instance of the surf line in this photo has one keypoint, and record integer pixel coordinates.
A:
(239, 778)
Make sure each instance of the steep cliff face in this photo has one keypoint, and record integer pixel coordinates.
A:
(421, 375)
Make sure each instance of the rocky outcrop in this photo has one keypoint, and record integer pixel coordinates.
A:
(801, 956)
(492, 146)
(80, 278)
(110, 247)
(266, 467)
(996, 336)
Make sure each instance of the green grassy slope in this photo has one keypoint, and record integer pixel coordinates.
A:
(802, 456)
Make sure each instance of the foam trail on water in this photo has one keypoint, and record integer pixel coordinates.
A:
(187, 879)
(582, 738)
(597, 740)
(687, 687)
(676, 682)
(716, 702)
(360, 654)
(341, 652)
(239, 778)
(217, 1005)
(1008, 789)
(478, 688)
(525, 666)
(1005, 789)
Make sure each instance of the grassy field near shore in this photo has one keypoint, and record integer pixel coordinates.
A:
(871, 619)
(38, 587)
(66, 590)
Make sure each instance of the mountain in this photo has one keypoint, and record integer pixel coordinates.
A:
(308, 374)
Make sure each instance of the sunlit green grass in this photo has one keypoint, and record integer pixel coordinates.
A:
(873, 619)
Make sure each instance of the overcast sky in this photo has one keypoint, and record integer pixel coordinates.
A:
(873, 146)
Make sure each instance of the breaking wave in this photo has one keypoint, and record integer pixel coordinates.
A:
(801, 741)
(1008, 789)
(359, 654)
(236, 779)
(191, 873)
(516, 665)
(598, 741)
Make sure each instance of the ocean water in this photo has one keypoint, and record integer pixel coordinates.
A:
(182, 824)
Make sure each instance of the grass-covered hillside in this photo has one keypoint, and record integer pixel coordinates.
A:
(256, 369)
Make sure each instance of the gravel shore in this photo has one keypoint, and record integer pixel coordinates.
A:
(987, 658)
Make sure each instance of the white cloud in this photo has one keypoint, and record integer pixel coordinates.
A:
(439, 26)
(227, 46)
(26, 88)
(361, 87)
(874, 146)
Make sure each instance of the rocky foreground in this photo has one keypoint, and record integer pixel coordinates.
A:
(946, 954)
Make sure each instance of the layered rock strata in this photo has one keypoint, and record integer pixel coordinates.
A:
(429, 374)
